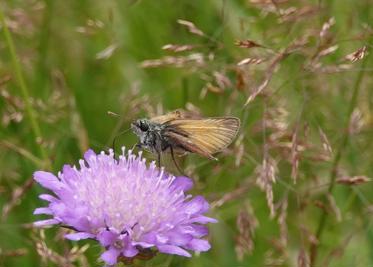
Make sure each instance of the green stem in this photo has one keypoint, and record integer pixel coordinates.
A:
(185, 87)
(337, 158)
(41, 66)
(24, 90)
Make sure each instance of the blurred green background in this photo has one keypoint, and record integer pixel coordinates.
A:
(308, 123)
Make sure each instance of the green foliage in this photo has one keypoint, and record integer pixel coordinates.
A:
(73, 61)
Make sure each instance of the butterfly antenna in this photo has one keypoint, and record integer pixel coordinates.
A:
(115, 138)
(113, 114)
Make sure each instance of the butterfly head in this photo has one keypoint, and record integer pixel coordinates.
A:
(140, 126)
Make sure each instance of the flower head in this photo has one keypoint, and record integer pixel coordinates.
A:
(126, 206)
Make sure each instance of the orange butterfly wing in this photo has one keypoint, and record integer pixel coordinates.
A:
(174, 115)
(203, 136)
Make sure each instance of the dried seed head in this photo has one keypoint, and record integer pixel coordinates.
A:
(268, 76)
(266, 177)
(222, 80)
(294, 14)
(354, 180)
(282, 222)
(246, 225)
(17, 194)
(191, 27)
(303, 260)
(213, 89)
(325, 142)
(178, 48)
(107, 52)
(294, 157)
(327, 51)
(357, 55)
(326, 26)
(356, 122)
(250, 61)
(240, 149)
(247, 44)
(195, 59)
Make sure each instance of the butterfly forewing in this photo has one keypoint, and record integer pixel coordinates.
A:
(174, 115)
(203, 136)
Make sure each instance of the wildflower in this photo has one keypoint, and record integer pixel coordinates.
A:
(126, 206)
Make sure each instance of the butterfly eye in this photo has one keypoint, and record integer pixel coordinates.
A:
(143, 126)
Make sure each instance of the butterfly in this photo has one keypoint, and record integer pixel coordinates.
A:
(184, 132)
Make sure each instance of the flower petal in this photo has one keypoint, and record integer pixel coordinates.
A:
(43, 211)
(149, 238)
(48, 180)
(195, 230)
(89, 156)
(143, 244)
(79, 236)
(169, 249)
(179, 239)
(58, 208)
(182, 183)
(81, 224)
(107, 238)
(69, 174)
(161, 239)
(130, 251)
(45, 223)
(196, 205)
(202, 219)
(198, 245)
(48, 197)
(110, 256)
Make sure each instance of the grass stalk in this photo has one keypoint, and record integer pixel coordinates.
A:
(24, 90)
(336, 161)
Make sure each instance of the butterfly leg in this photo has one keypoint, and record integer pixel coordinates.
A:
(174, 160)
(159, 158)
(115, 138)
(137, 145)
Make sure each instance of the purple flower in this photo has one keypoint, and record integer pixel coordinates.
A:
(126, 206)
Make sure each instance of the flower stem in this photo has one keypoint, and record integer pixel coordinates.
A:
(24, 90)
(337, 158)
